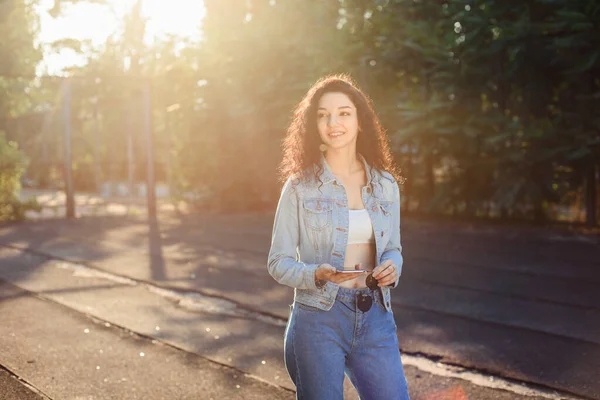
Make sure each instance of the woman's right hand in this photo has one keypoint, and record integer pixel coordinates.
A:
(326, 272)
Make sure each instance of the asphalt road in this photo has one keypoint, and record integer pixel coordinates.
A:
(500, 303)
(60, 342)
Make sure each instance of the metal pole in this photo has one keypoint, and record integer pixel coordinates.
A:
(130, 163)
(69, 193)
(149, 151)
(44, 139)
(97, 133)
(169, 149)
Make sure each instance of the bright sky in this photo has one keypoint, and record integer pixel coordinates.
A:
(97, 22)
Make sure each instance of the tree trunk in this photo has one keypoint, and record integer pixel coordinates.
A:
(590, 195)
(539, 215)
(407, 174)
(428, 147)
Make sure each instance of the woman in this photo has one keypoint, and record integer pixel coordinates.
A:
(336, 241)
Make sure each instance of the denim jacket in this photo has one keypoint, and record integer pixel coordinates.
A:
(311, 228)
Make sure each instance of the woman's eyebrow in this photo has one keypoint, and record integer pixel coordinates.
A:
(339, 108)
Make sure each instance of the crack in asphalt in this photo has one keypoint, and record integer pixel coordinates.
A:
(26, 383)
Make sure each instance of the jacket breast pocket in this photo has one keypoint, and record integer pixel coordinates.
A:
(318, 213)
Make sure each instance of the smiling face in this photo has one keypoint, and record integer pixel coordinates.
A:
(337, 121)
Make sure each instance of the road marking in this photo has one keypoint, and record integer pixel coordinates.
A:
(480, 379)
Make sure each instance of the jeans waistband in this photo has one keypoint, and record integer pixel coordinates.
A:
(349, 294)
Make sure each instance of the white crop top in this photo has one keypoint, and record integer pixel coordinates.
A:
(360, 229)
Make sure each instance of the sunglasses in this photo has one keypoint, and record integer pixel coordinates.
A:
(372, 282)
(364, 302)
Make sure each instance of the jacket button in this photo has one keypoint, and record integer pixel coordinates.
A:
(374, 208)
(368, 190)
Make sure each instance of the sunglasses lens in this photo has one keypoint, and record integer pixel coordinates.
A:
(371, 282)
(364, 302)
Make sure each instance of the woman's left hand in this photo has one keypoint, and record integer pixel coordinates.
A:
(386, 273)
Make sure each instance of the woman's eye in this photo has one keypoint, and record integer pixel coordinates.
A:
(344, 113)
(319, 116)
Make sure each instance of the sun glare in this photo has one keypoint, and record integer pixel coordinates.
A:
(95, 22)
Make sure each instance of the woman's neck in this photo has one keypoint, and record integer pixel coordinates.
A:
(343, 162)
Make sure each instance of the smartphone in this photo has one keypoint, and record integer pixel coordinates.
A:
(347, 271)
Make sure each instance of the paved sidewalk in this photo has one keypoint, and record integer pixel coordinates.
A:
(14, 389)
(520, 303)
(95, 360)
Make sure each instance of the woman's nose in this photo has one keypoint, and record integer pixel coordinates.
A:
(332, 121)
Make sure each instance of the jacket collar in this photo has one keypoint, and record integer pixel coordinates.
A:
(326, 176)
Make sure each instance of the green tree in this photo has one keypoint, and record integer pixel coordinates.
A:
(12, 165)
(260, 58)
(489, 100)
(18, 59)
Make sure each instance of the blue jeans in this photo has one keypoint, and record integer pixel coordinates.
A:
(320, 346)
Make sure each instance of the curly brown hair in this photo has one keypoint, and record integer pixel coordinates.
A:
(301, 145)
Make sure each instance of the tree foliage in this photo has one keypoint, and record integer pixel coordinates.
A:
(491, 107)
(18, 59)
